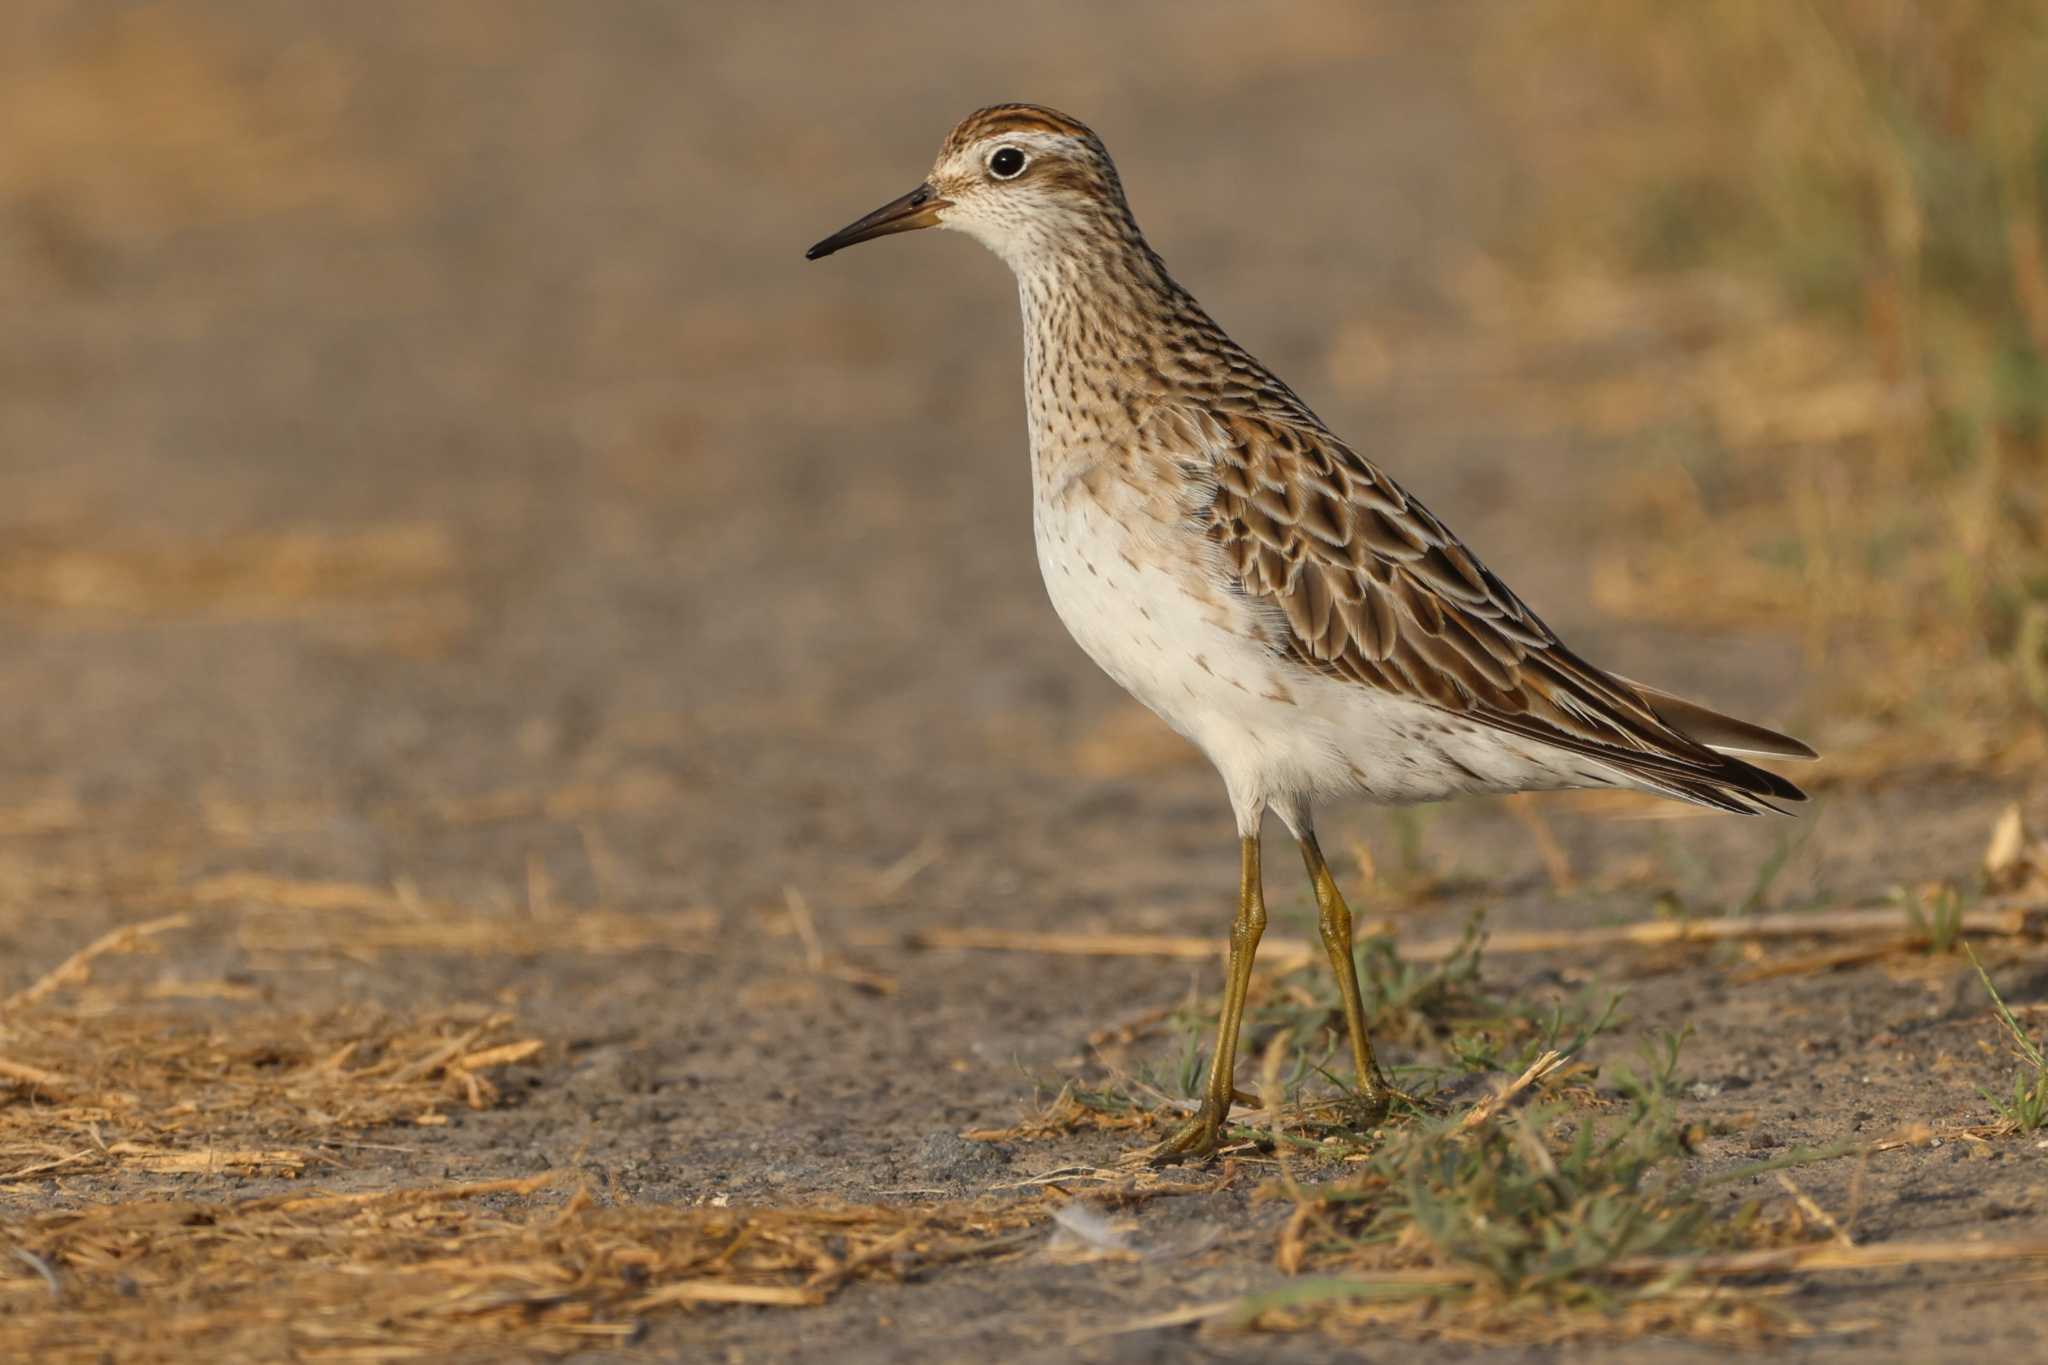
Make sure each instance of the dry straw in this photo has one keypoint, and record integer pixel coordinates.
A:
(108, 1103)
(136, 1092)
(2009, 921)
(443, 1271)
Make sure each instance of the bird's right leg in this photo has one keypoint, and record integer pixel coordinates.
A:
(1198, 1137)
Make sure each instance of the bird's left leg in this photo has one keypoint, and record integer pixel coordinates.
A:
(1334, 920)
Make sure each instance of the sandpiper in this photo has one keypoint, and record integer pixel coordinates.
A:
(1264, 588)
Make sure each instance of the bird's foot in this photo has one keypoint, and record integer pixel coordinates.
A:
(1200, 1136)
(1195, 1140)
(1364, 1110)
(1355, 1115)
(1374, 1102)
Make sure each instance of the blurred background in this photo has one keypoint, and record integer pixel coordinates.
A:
(427, 464)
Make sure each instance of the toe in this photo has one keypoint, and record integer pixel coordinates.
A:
(1195, 1140)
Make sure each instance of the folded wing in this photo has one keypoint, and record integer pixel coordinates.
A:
(1376, 590)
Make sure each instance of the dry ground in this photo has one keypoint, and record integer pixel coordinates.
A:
(467, 583)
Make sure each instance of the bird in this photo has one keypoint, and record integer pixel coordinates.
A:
(1262, 585)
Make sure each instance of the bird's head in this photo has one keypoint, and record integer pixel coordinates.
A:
(1022, 179)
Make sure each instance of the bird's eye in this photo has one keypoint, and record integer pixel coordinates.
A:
(1006, 163)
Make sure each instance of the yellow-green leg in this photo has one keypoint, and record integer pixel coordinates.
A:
(1199, 1135)
(1333, 918)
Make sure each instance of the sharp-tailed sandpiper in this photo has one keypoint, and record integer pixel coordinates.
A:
(1265, 588)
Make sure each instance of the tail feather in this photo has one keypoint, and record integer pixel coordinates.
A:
(1731, 784)
(1722, 733)
(1706, 792)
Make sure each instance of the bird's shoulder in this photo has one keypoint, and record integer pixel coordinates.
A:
(1353, 557)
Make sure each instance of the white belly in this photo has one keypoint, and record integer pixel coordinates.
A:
(1133, 593)
(1141, 599)
(1118, 595)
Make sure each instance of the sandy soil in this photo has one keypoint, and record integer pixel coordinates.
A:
(656, 569)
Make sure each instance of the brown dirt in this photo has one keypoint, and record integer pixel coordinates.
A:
(437, 494)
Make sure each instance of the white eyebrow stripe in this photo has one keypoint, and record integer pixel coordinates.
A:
(1029, 143)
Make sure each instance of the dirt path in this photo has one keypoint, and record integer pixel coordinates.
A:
(430, 464)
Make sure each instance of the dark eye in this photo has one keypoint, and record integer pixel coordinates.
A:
(1006, 163)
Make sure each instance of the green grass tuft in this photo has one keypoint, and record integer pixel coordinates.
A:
(2027, 1110)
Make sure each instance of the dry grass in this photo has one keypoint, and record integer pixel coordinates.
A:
(108, 1082)
(2020, 918)
(1538, 1213)
(1827, 222)
(1428, 993)
(1544, 1213)
(105, 1095)
(1538, 1216)
(444, 1271)
(136, 1091)
(292, 915)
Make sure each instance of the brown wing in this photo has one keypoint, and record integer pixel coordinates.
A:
(1375, 589)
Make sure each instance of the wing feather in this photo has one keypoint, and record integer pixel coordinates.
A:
(1376, 590)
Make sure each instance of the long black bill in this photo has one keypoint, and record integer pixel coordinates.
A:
(917, 209)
